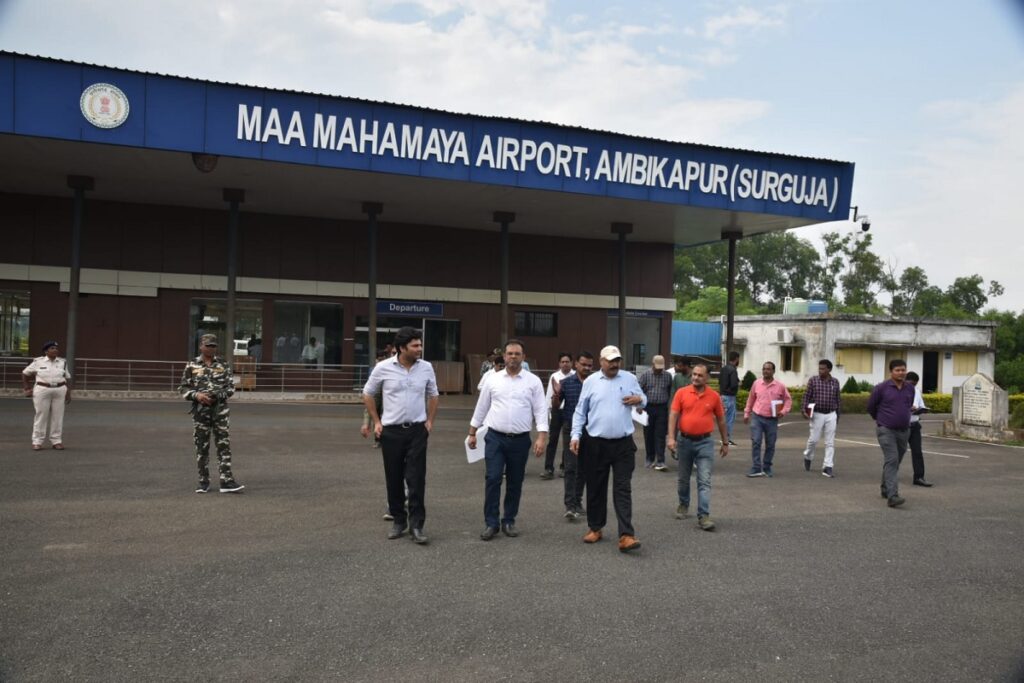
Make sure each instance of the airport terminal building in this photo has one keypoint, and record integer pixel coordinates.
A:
(142, 210)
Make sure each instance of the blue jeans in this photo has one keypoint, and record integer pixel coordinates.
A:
(504, 455)
(702, 454)
(729, 403)
(766, 429)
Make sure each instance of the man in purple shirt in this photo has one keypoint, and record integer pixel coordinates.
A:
(889, 406)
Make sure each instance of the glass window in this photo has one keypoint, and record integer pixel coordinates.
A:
(642, 334)
(791, 358)
(209, 316)
(297, 322)
(442, 339)
(14, 317)
(856, 361)
(536, 324)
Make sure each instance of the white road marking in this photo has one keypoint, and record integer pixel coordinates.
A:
(865, 443)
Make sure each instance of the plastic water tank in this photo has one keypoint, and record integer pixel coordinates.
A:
(794, 306)
(817, 306)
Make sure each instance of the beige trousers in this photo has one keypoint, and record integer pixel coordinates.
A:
(49, 403)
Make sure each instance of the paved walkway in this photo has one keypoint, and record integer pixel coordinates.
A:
(113, 570)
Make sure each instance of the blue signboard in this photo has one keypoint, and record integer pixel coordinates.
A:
(47, 99)
(412, 309)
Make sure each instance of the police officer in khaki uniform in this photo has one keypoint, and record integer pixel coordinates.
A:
(207, 383)
(47, 381)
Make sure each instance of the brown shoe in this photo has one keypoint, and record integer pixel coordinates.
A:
(593, 536)
(627, 543)
(58, 446)
(36, 447)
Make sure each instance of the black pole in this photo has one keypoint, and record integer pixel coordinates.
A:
(233, 197)
(623, 229)
(80, 184)
(504, 218)
(730, 316)
(372, 210)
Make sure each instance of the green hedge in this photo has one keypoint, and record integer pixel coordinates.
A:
(858, 403)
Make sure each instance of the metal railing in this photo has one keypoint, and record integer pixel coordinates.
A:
(111, 374)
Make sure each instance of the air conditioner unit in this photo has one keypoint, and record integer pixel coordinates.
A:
(785, 335)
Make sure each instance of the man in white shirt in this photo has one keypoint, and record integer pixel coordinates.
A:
(313, 353)
(511, 402)
(555, 423)
(914, 441)
(46, 380)
(410, 395)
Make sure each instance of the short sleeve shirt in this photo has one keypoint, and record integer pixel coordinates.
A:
(697, 410)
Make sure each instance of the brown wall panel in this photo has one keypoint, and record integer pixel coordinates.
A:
(259, 246)
(98, 325)
(49, 311)
(182, 240)
(174, 324)
(17, 222)
(215, 241)
(101, 235)
(51, 244)
(141, 238)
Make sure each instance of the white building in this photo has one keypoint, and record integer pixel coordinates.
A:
(943, 352)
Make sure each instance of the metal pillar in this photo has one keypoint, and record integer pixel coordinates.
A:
(233, 197)
(372, 210)
(80, 184)
(622, 229)
(730, 316)
(504, 218)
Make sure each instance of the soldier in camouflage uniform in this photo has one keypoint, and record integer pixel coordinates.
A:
(207, 383)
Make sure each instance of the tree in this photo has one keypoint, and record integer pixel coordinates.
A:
(712, 302)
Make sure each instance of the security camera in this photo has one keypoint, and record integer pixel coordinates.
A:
(865, 223)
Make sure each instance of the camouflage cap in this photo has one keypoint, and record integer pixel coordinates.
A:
(208, 340)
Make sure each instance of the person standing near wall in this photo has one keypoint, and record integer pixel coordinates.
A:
(47, 381)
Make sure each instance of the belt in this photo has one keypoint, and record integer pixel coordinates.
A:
(403, 425)
(766, 417)
(824, 412)
(695, 437)
(508, 435)
(52, 386)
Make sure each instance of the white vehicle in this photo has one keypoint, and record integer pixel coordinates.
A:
(241, 347)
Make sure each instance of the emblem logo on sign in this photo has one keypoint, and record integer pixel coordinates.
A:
(104, 105)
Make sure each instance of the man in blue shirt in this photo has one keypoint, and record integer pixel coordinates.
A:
(605, 408)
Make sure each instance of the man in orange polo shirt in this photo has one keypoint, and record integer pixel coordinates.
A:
(700, 407)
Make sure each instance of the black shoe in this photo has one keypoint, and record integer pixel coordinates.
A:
(396, 531)
(509, 530)
(922, 482)
(807, 464)
(885, 494)
(547, 474)
(231, 486)
(731, 442)
(488, 533)
(418, 536)
(896, 501)
(204, 486)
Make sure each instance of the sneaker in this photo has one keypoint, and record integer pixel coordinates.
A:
(896, 501)
(576, 514)
(682, 511)
(705, 523)
(807, 464)
(231, 486)
(389, 517)
(731, 442)
(627, 543)
(768, 472)
(204, 486)
(547, 474)
(593, 536)
(570, 514)
(755, 472)
(827, 472)
(648, 465)
(660, 467)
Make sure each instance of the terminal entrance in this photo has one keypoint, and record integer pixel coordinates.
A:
(441, 338)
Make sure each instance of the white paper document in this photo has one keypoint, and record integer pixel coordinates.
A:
(775, 407)
(810, 409)
(638, 417)
(475, 454)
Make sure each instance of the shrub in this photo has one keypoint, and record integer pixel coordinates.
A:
(852, 386)
(939, 403)
(748, 380)
(855, 404)
(1017, 416)
(866, 386)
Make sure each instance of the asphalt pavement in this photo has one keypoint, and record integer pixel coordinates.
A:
(112, 568)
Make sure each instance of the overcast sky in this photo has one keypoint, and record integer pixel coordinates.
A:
(926, 97)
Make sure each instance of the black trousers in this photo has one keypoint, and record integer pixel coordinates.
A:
(554, 430)
(655, 433)
(599, 458)
(574, 480)
(916, 454)
(405, 464)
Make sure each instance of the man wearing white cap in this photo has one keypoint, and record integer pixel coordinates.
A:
(605, 407)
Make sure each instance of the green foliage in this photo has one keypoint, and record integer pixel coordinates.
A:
(866, 386)
(748, 381)
(712, 302)
(1015, 400)
(852, 386)
(854, 404)
(1017, 415)
(939, 403)
(1010, 374)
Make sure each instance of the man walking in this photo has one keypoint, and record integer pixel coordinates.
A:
(914, 441)
(409, 389)
(605, 408)
(821, 406)
(555, 424)
(699, 408)
(768, 401)
(889, 406)
(46, 381)
(657, 385)
(567, 393)
(680, 373)
(510, 403)
(208, 384)
(729, 386)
